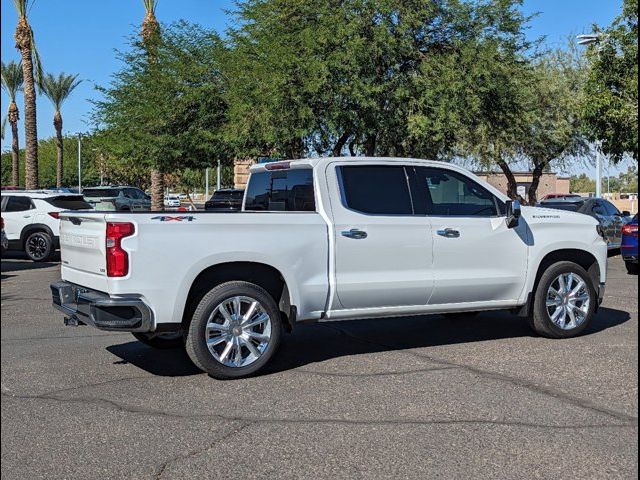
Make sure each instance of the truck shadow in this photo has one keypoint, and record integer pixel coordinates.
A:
(323, 341)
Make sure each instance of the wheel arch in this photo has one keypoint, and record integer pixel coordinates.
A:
(35, 227)
(261, 274)
(584, 258)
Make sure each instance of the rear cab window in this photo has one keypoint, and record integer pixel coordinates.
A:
(288, 190)
(100, 192)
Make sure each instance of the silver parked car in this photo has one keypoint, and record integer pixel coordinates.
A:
(117, 198)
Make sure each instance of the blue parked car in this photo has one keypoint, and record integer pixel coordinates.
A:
(629, 247)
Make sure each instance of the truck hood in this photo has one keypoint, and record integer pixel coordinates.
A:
(535, 215)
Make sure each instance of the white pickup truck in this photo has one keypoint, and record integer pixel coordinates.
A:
(327, 239)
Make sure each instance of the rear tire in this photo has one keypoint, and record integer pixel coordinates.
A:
(632, 268)
(38, 246)
(572, 312)
(161, 341)
(233, 320)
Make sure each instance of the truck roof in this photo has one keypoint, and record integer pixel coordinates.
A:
(323, 161)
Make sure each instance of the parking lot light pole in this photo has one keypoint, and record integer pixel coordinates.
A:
(206, 183)
(586, 40)
(79, 162)
(218, 176)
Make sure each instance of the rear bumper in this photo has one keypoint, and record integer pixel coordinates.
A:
(82, 306)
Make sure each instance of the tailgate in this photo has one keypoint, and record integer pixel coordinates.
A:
(82, 243)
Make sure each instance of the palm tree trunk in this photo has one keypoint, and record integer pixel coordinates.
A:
(23, 44)
(13, 117)
(57, 123)
(157, 190)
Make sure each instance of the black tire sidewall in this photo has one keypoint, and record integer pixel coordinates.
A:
(542, 322)
(196, 346)
(47, 239)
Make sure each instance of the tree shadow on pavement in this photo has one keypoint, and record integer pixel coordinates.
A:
(323, 341)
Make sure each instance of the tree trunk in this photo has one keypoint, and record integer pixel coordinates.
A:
(512, 185)
(15, 149)
(535, 183)
(337, 150)
(23, 44)
(57, 123)
(352, 147)
(370, 146)
(157, 190)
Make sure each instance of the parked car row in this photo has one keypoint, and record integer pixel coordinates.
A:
(31, 220)
(606, 213)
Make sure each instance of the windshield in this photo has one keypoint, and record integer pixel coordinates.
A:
(100, 192)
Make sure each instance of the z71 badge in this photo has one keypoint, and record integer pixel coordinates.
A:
(167, 218)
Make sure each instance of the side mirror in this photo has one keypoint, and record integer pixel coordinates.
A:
(626, 213)
(514, 212)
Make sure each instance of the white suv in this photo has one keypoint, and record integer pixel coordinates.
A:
(31, 220)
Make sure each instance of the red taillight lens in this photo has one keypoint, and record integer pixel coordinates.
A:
(55, 215)
(630, 230)
(278, 165)
(117, 258)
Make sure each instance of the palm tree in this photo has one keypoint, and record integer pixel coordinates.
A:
(150, 33)
(11, 74)
(31, 71)
(58, 89)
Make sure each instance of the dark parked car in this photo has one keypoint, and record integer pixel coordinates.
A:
(629, 248)
(610, 218)
(225, 200)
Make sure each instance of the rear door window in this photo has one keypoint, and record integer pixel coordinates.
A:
(281, 191)
(72, 202)
(376, 189)
(18, 204)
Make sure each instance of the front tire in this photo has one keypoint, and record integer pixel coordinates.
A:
(632, 268)
(235, 330)
(38, 246)
(564, 301)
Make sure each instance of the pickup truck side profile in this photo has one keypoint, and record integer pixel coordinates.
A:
(327, 239)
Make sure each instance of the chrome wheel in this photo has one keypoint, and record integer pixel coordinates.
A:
(568, 301)
(37, 247)
(238, 331)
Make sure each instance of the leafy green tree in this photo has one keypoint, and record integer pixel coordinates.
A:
(48, 159)
(165, 114)
(610, 108)
(582, 184)
(57, 89)
(552, 130)
(11, 75)
(363, 76)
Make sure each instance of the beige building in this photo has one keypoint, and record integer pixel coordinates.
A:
(549, 182)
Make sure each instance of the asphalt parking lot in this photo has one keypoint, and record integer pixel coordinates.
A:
(423, 397)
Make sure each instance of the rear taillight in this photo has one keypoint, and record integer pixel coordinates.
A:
(117, 258)
(55, 215)
(630, 230)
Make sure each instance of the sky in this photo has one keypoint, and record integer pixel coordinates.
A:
(81, 36)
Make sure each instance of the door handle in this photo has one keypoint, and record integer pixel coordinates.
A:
(449, 233)
(26, 216)
(354, 233)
